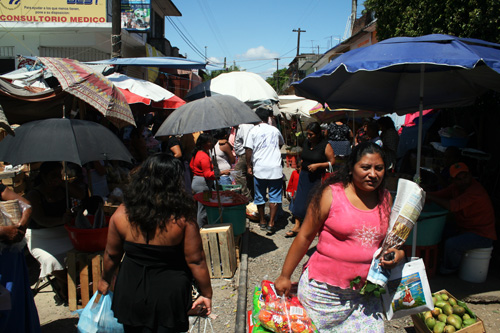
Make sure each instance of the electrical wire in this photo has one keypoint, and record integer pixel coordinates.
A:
(188, 42)
(212, 24)
(178, 22)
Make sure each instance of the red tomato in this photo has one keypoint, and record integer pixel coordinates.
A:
(298, 327)
(265, 316)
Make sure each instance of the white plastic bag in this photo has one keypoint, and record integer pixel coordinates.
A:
(408, 290)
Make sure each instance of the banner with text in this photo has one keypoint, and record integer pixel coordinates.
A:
(53, 11)
(136, 15)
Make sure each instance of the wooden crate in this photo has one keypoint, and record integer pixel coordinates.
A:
(420, 327)
(84, 271)
(220, 250)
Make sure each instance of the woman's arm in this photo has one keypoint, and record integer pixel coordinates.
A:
(8, 194)
(309, 229)
(206, 165)
(176, 150)
(15, 233)
(195, 258)
(114, 249)
(330, 154)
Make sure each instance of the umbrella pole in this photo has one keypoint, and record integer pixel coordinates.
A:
(419, 149)
(217, 175)
(66, 184)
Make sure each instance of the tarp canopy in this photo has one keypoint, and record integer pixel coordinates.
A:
(21, 105)
(163, 62)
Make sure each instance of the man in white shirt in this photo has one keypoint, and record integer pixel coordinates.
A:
(243, 179)
(263, 158)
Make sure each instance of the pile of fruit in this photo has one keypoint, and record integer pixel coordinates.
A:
(448, 315)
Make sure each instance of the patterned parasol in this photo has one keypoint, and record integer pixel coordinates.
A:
(91, 87)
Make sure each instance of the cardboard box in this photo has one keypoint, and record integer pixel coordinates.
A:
(220, 250)
(420, 326)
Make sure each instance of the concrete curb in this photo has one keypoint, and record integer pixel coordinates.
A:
(241, 308)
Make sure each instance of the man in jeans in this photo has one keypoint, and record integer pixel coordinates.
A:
(263, 158)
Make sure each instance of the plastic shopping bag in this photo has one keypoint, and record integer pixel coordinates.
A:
(408, 290)
(98, 317)
(282, 314)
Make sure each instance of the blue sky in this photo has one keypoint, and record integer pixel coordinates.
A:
(253, 33)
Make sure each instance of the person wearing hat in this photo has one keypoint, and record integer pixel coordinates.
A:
(473, 213)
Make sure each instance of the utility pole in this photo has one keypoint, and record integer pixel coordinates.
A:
(298, 39)
(354, 10)
(277, 74)
(116, 29)
(205, 54)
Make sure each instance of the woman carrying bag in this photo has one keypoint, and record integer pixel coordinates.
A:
(316, 157)
(156, 233)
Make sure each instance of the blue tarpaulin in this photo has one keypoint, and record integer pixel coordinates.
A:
(162, 62)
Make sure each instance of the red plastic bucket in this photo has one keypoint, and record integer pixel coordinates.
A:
(88, 240)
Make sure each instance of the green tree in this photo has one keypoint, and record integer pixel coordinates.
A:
(461, 18)
(213, 74)
(277, 79)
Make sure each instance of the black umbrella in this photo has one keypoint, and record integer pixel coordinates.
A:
(62, 139)
(206, 114)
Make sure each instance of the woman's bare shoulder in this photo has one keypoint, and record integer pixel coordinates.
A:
(119, 217)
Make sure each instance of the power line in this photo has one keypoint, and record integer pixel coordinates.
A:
(175, 19)
(188, 42)
(212, 24)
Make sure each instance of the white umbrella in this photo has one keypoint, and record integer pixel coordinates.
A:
(249, 88)
(296, 106)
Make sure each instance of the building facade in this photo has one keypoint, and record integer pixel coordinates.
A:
(77, 29)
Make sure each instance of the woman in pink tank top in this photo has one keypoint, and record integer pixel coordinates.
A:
(351, 213)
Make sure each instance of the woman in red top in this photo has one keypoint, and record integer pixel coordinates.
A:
(203, 172)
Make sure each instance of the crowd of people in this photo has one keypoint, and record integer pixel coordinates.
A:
(154, 249)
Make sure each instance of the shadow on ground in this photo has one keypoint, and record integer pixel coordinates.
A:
(60, 325)
(259, 245)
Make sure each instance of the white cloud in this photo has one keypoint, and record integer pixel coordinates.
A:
(267, 73)
(259, 52)
(216, 61)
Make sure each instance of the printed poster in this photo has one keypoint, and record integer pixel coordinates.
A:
(53, 11)
(136, 15)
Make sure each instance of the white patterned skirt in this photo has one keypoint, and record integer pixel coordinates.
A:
(333, 309)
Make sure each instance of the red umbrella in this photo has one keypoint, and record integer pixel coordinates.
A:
(145, 92)
(91, 87)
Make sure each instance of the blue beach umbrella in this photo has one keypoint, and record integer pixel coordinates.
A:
(406, 74)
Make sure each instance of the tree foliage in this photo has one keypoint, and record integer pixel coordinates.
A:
(277, 79)
(215, 73)
(461, 18)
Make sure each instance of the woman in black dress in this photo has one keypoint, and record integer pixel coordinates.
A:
(156, 229)
(315, 156)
